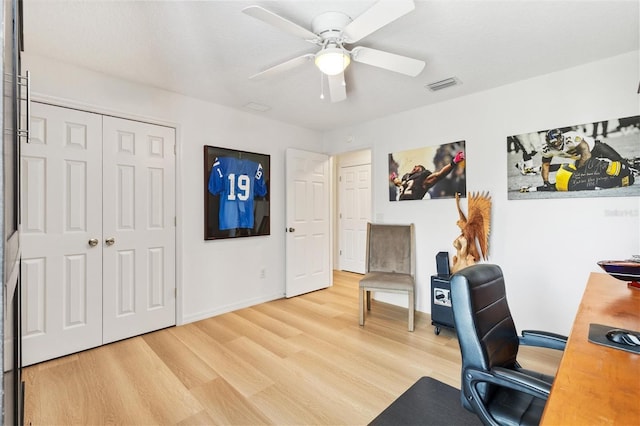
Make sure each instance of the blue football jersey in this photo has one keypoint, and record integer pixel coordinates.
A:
(237, 182)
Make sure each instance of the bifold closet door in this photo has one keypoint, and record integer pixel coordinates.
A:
(98, 231)
(139, 228)
(61, 203)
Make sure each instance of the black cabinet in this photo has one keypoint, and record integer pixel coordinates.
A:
(441, 312)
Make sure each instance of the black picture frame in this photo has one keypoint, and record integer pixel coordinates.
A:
(251, 214)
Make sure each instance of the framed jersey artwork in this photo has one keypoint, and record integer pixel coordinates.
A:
(236, 193)
(600, 159)
(430, 172)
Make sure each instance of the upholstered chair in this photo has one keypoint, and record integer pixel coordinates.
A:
(391, 265)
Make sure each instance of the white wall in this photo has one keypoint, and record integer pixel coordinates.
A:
(213, 276)
(546, 248)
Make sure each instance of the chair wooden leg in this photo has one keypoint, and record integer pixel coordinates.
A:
(368, 300)
(412, 308)
(361, 304)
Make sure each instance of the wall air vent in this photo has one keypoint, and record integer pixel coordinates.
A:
(443, 84)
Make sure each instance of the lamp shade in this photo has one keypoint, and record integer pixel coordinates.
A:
(332, 60)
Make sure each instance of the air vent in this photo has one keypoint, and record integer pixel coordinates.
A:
(443, 84)
(257, 107)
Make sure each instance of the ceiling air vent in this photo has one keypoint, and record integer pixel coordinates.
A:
(257, 107)
(443, 84)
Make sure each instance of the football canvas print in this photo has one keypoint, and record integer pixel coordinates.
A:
(426, 173)
(600, 159)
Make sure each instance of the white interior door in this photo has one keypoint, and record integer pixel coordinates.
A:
(355, 211)
(61, 204)
(139, 228)
(308, 265)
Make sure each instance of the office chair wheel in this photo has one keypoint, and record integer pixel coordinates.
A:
(436, 330)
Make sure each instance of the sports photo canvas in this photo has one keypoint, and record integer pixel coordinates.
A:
(600, 159)
(426, 173)
(236, 193)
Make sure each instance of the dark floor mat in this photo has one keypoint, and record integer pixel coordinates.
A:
(427, 402)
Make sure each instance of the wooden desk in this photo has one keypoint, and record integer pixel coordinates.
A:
(596, 384)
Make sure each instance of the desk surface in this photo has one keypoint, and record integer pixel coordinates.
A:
(596, 384)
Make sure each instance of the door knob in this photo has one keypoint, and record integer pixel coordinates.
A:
(93, 242)
(292, 229)
(110, 241)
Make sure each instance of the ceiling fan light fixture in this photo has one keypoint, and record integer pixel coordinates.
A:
(332, 60)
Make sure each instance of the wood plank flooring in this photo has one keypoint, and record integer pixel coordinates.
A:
(303, 360)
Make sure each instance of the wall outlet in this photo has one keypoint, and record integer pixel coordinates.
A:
(263, 273)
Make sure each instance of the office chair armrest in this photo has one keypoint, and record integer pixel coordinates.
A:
(543, 339)
(522, 382)
(512, 379)
(501, 377)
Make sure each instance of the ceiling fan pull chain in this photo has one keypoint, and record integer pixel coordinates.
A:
(321, 85)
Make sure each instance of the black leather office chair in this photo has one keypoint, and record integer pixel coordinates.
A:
(494, 386)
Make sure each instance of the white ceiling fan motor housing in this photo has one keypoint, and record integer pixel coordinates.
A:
(329, 25)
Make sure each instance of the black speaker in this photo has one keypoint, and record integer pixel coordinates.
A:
(442, 264)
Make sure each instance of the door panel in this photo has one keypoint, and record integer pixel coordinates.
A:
(355, 212)
(139, 212)
(61, 211)
(307, 243)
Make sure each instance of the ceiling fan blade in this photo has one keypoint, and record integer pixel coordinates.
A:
(337, 87)
(279, 22)
(376, 17)
(285, 66)
(389, 61)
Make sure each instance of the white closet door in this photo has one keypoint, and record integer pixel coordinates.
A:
(139, 217)
(87, 179)
(61, 204)
(355, 212)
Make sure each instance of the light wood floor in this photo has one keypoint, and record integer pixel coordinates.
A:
(303, 360)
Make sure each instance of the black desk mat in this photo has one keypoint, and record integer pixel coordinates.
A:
(598, 335)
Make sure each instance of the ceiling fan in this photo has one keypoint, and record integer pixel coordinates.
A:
(335, 33)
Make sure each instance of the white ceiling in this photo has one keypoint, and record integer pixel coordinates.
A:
(208, 49)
